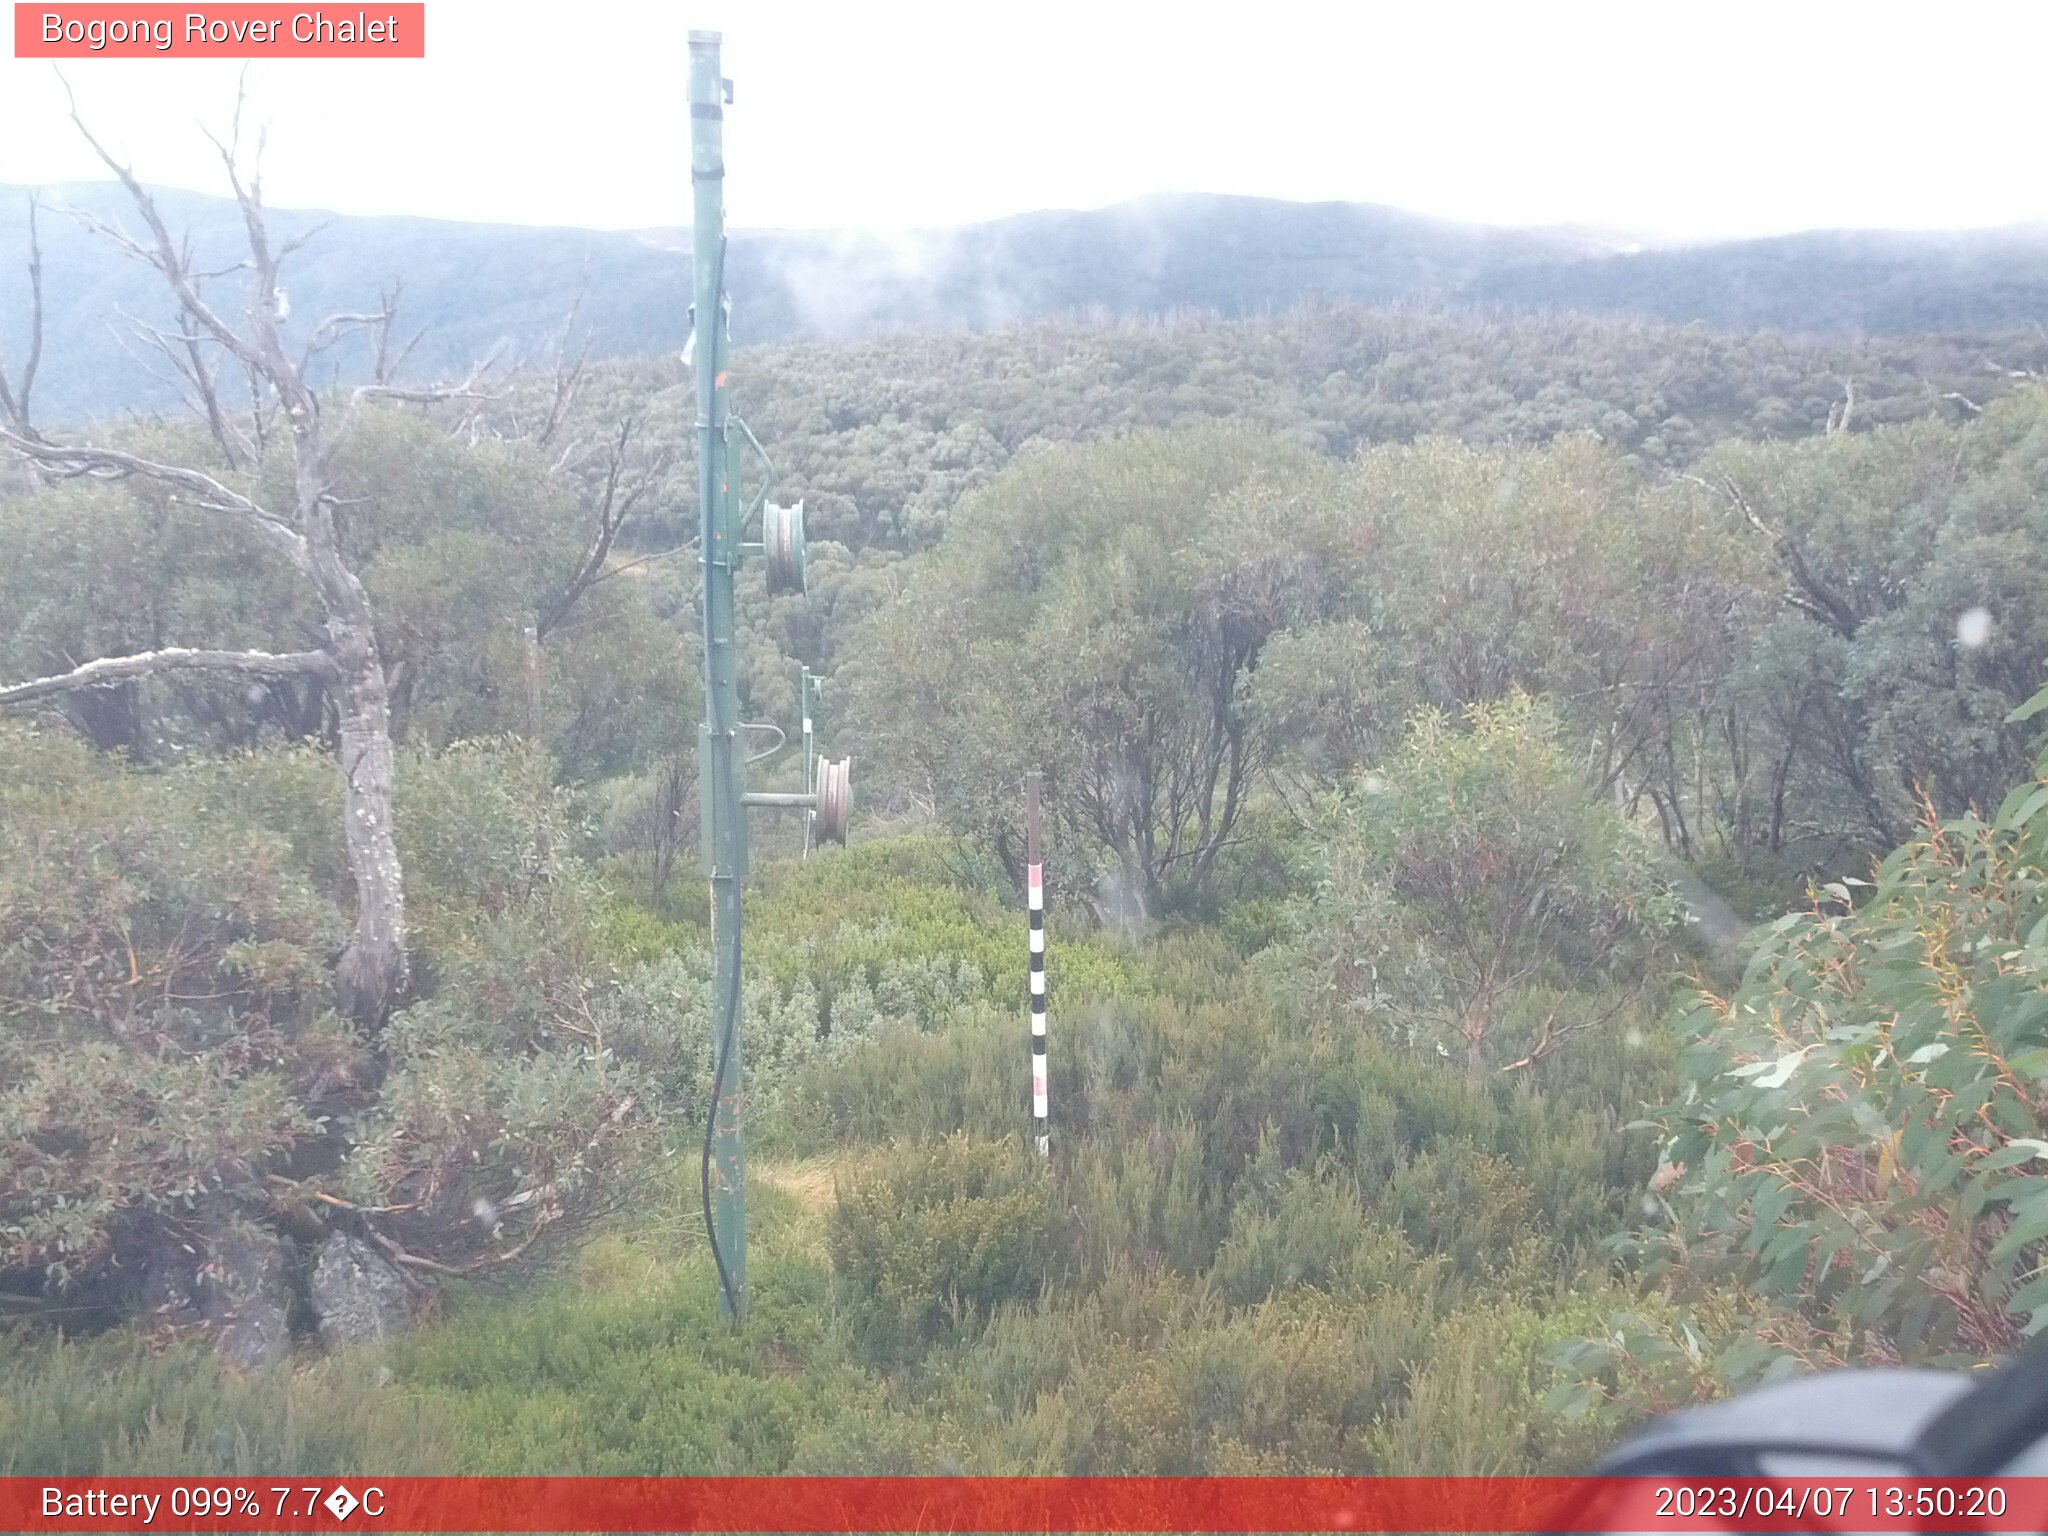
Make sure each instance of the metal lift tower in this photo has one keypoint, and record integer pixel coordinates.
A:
(721, 757)
(722, 826)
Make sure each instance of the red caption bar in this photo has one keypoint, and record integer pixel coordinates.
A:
(219, 32)
(1022, 1504)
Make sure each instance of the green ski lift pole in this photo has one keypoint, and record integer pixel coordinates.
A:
(721, 757)
(723, 830)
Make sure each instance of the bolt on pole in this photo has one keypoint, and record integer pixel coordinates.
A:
(723, 825)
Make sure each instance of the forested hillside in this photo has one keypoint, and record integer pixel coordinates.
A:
(471, 288)
(1863, 281)
(1391, 671)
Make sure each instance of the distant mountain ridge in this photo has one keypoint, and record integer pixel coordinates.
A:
(474, 286)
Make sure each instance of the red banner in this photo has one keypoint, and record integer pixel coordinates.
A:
(1021, 1504)
(102, 31)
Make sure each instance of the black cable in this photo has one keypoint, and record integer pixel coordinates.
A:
(732, 1015)
(732, 1001)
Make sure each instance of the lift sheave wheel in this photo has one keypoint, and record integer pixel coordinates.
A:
(782, 543)
(835, 799)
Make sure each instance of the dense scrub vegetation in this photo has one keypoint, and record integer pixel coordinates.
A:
(1235, 1195)
(1762, 654)
(1380, 721)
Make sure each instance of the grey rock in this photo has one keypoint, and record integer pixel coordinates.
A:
(244, 1292)
(170, 1283)
(357, 1294)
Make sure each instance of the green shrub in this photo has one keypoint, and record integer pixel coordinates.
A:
(163, 1003)
(166, 1030)
(899, 1083)
(586, 1379)
(1859, 1122)
(1145, 1197)
(1481, 1403)
(871, 1439)
(1316, 1231)
(1852, 1151)
(1473, 1207)
(929, 1245)
(1474, 866)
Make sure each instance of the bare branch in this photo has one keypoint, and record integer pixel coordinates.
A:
(305, 237)
(433, 394)
(113, 234)
(1839, 415)
(567, 456)
(210, 273)
(615, 505)
(175, 380)
(1551, 1036)
(436, 394)
(639, 560)
(118, 669)
(372, 970)
(386, 367)
(335, 327)
(197, 382)
(1810, 594)
(156, 335)
(35, 340)
(15, 398)
(73, 461)
(163, 255)
(568, 376)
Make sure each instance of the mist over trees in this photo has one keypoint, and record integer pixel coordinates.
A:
(472, 288)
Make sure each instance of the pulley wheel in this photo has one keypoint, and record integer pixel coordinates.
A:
(835, 799)
(782, 541)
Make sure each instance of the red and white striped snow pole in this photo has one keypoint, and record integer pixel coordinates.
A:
(1034, 885)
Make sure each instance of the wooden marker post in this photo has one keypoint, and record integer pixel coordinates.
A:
(1034, 887)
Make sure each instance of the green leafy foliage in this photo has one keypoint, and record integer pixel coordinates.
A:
(461, 547)
(166, 1032)
(1473, 868)
(82, 1407)
(162, 981)
(1178, 626)
(1870, 693)
(1095, 613)
(1855, 1144)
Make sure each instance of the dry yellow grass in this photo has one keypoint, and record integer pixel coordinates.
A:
(640, 1257)
(810, 1179)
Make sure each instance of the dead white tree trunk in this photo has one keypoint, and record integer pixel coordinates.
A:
(372, 971)
(16, 394)
(373, 968)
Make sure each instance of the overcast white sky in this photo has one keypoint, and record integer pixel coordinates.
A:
(1679, 119)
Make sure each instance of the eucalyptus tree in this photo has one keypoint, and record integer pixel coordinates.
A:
(1472, 870)
(1097, 613)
